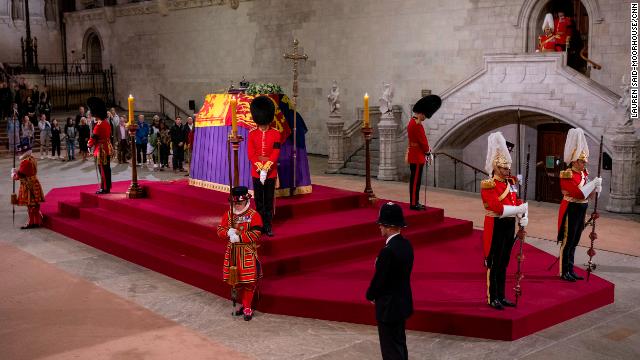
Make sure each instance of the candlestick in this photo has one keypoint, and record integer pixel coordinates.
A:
(130, 103)
(365, 117)
(234, 118)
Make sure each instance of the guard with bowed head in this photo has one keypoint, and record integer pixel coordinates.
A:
(500, 199)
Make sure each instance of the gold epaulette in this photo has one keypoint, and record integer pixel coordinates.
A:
(566, 174)
(487, 184)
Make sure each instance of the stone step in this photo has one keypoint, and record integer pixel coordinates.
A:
(361, 166)
(375, 158)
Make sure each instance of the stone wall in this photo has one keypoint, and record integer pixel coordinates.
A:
(185, 49)
(47, 33)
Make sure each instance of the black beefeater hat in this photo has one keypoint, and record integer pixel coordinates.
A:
(240, 193)
(97, 107)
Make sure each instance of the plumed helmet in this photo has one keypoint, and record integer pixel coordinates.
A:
(547, 22)
(497, 153)
(240, 193)
(428, 105)
(576, 146)
(391, 215)
(262, 110)
(97, 107)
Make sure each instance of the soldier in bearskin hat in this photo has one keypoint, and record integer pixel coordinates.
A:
(390, 288)
(418, 149)
(241, 227)
(101, 142)
(263, 149)
(30, 193)
(576, 190)
(500, 200)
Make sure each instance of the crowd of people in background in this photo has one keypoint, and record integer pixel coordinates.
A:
(27, 110)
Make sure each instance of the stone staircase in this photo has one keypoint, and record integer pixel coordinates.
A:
(356, 163)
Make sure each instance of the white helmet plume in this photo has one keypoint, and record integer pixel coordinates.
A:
(497, 152)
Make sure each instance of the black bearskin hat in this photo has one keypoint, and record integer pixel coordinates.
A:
(240, 193)
(391, 215)
(262, 110)
(97, 107)
(428, 105)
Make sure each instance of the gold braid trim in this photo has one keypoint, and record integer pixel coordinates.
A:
(566, 174)
(487, 184)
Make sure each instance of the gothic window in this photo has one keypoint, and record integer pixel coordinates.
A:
(17, 9)
(50, 10)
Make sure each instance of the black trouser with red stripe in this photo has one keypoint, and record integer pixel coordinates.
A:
(569, 234)
(104, 172)
(414, 183)
(502, 241)
(264, 195)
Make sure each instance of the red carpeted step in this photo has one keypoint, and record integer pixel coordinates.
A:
(180, 215)
(306, 260)
(162, 235)
(330, 228)
(447, 299)
(203, 274)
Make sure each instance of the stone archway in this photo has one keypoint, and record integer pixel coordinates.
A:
(537, 82)
(93, 50)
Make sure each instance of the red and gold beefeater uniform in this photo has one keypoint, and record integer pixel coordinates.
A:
(418, 148)
(102, 151)
(263, 150)
(499, 233)
(243, 254)
(30, 193)
(571, 216)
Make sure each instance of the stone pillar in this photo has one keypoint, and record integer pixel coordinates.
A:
(387, 132)
(335, 128)
(622, 197)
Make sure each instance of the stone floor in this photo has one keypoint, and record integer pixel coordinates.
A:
(60, 299)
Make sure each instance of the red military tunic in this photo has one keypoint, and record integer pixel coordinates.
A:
(496, 193)
(249, 225)
(418, 144)
(30, 193)
(571, 181)
(546, 43)
(563, 28)
(263, 148)
(101, 141)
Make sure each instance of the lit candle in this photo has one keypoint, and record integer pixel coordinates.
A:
(131, 121)
(234, 119)
(365, 117)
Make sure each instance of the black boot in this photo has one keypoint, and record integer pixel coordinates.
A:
(567, 277)
(496, 304)
(240, 311)
(508, 303)
(576, 276)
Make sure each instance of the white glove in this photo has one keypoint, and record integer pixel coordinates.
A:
(234, 238)
(598, 181)
(519, 177)
(599, 189)
(431, 158)
(588, 188)
(232, 232)
(509, 210)
(263, 176)
(13, 172)
(524, 220)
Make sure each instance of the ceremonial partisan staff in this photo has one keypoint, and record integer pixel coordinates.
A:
(14, 197)
(521, 235)
(592, 220)
(233, 278)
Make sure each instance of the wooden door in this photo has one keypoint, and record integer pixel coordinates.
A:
(549, 161)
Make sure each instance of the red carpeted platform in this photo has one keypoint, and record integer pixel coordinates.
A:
(321, 260)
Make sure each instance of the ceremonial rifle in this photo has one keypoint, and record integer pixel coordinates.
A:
(521, 235)
(592, 220)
